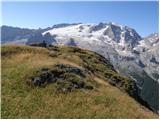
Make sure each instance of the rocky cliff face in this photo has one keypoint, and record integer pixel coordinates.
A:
(148, 49)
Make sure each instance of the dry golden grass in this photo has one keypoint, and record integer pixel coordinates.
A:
(22, 101)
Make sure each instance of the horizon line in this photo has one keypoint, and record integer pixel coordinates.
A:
(76, 23)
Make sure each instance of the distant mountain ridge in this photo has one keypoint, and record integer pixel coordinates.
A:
(129, 53)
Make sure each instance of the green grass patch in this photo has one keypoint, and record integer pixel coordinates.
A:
(20, 100)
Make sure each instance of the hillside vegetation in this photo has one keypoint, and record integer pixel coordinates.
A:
(64, 82)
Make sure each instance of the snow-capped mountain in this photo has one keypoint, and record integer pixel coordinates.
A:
(129, 53)
(148, 53)
(109, 33)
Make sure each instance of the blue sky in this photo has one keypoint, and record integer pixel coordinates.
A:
(142, 16)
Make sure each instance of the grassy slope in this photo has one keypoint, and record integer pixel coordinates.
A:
(21, 101)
